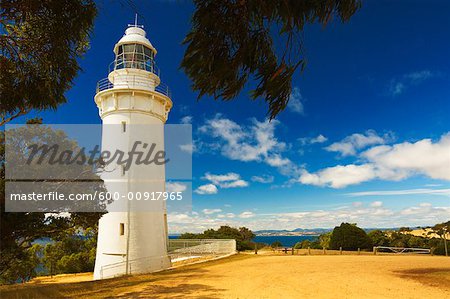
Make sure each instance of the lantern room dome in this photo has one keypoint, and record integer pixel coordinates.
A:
(135, 35)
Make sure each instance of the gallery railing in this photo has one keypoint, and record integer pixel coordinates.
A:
(133, 82)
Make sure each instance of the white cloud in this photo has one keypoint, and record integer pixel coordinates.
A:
(229, 180)
(376, 204)
(175, 187)
(264, 179)
(405, 159)
(295, 101)
(234, 184)
(401, 192)
(246, 214)
(389, 162)
(426, 209)
(188, 148)
(256, 142)
(338, 176)
(179, 218)
(396, 88)
(206, 189)
(227, 215)
(373, 215)
(350, 144)
(319, 139)
(220, 178)
(357, 204)
(420, 76)
(186, 120)
(398, 85)
(211, 211)
(277, 161)
(312, 140)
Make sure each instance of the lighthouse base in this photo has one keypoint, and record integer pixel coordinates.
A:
(140, 266)
(131, 243)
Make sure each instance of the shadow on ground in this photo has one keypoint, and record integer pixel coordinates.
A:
(167, 284)
(435, 277)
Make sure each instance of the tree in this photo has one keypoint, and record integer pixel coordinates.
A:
(19, 230)
(246, 234)
(276, 244)
(303, 244)
(349, 237)
(243, 236)
(72, 254)
(404, 229)
(442, 230)
(378, 238)
(231, 42)
(25, 268)
(324, 240)
(40, 44)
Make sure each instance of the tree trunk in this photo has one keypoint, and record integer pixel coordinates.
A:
(445, 244)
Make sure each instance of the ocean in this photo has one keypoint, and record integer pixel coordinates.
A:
(287, 241)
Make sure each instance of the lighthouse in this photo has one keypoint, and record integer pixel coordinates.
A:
(133, 104)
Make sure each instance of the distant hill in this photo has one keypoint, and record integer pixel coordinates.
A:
(307, 231)
(294, 232)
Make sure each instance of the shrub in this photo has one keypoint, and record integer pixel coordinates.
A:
(242, 235)
(379, 238)
(349, 237)
(276, 244)
(303, 244)
(439, 248)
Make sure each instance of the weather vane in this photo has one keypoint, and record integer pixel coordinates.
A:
(136, 22)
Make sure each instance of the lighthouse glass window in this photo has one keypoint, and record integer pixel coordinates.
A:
(135, 56)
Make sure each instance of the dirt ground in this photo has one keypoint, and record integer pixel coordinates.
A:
(258, 276)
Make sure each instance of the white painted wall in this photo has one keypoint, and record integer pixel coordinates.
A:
(143, 246)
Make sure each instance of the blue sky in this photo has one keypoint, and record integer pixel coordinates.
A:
(365, 138)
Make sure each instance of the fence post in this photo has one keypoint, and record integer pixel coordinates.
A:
(292, 250)
(256, 249)
(375, 250)
(340, 250)
(359, 251)
(309, 250)
(324, 252)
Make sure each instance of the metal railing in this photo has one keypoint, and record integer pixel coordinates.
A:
(149, 66)
(124, 267)
(400, 250)
(131, 83)
(179, 248)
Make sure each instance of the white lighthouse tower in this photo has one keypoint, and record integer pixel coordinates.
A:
(133, 104)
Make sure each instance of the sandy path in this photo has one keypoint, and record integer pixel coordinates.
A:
(302, 277)
(265, 276)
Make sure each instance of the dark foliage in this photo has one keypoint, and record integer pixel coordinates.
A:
(19, 230)
(232, 42)
(349, 237)
(72, 254)
(276, 244)
(379, 238)
(39, 45)
(404, 239)
(243, 236)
